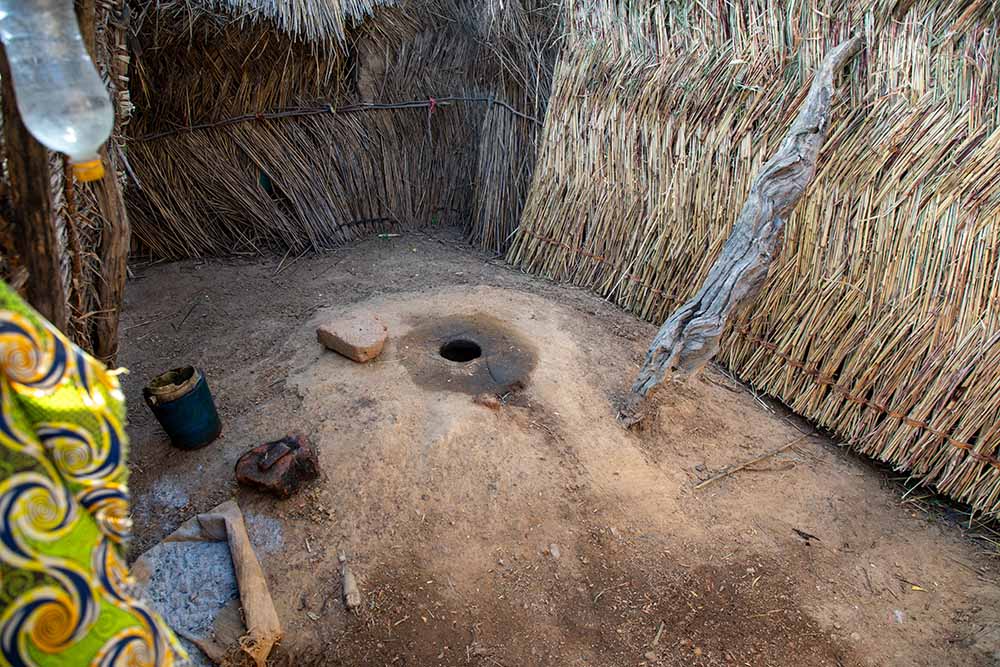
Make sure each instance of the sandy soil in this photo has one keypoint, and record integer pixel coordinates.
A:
(539, 533)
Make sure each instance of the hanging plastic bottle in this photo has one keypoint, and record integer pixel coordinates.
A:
(59, 94)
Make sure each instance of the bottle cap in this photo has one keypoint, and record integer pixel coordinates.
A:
(91, 170)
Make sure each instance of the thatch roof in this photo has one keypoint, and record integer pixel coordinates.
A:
(319, 21)
(880, 320)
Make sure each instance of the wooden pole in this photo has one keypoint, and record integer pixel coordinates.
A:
(113, 248)
(34, 227)
(86, 16)
(113, 252)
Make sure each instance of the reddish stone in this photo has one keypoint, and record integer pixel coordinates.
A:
(280, 467)
(360, 337)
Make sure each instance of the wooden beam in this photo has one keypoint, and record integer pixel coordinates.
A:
(33, 219)
(86, 16)
(113, 248)
(113, 252)
(689, 338)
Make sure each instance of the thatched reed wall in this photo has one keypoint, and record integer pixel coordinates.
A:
(308, 181)
(881, 319)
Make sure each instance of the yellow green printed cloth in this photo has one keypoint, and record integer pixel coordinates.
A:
(66, 597)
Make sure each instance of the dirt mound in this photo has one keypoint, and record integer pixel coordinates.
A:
(535, 531)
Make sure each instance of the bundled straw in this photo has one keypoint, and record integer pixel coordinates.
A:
(318, 21)
(881, 317)
(291, 180)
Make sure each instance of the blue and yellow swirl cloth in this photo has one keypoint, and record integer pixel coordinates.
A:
(66, 597)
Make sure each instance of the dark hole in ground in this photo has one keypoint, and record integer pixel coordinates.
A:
(439, 354)
(461, 350)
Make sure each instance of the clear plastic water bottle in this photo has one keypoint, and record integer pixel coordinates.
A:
(59, 94)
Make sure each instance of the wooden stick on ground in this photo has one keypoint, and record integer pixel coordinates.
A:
(689, 338)
(225, 522)
(763, 457)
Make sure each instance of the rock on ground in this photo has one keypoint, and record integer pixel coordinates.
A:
(360, 337)
(281, 467)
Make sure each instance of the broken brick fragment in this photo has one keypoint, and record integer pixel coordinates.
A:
(360, 337)
(281, 467)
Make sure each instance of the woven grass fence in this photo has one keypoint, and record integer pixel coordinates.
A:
(881, 318)
(384, 158)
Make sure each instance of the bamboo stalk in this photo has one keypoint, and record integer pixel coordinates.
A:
(334, 158)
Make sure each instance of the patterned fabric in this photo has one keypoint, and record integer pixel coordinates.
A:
(65, 593)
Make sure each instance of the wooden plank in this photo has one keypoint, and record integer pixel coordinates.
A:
(263, 625)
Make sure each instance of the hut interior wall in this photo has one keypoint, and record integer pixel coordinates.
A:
(325, 179)
(880, 320)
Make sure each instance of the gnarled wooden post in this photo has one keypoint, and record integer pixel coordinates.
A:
(34, 225)
(689, 338)
(114, 244)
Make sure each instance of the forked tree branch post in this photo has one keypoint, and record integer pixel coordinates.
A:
(689, 339)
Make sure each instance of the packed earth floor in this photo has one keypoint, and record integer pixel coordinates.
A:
(536, 531)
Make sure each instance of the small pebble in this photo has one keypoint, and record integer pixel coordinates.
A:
(650, 656)
(554, 550)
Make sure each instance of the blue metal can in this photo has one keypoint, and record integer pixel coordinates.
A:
(182, 402)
